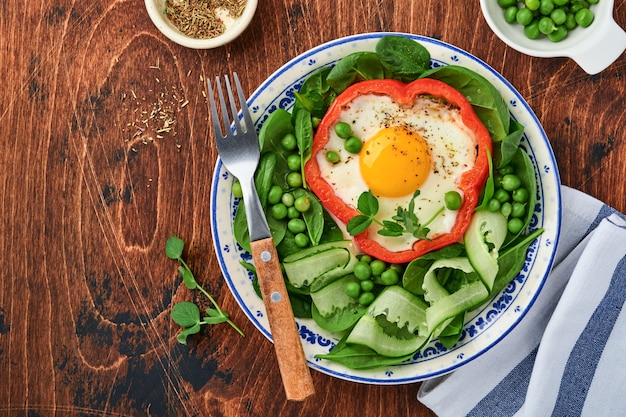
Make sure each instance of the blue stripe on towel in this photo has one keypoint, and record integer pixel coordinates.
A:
(604, 212)
(508, 396)
(583, 360)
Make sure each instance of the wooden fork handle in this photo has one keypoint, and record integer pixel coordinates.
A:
(287, 343)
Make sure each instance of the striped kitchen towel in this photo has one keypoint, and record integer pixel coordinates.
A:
(567, 357)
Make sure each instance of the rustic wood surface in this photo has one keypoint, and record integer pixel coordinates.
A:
(88, 199)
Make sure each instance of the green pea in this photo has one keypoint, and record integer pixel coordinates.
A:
(559, 34)
(546, 7)
(506, 209)
(558, 16)
(389, 277)
(315, 121)
(237, 191)
(453, 200)
(367, 285)
(570, 21)
(378, 267)
(352, 289)
(294, 179)
(302, 204)
(398, 268)
(511, 182)
(515, 225)
(279, 211)
(362, 270)
(561, 2)
(332, 157)
(593, 1)
(507, 169)
(365, 258)
(507, 3)
(524, 16)
(578, 5)
(518, 210)
(366, 298)
(532, 30)
(532, 5)
(289, 142)
(274, 194)
(292, 213)
(494, 205)
(296, 226)
(502, 195)
(584, 17)
(343, 130)
(301, 240)
(510, 13)
(546, 25)
(293, 162)
(520, 195)
(287, 199)
(353, 145)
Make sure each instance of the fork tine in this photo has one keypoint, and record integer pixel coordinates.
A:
(233, 106)
(225, 115)
(214, 115)
(242, 101)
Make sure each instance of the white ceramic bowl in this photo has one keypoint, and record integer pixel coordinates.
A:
(593, 48)
(156, 11)
(485, 326)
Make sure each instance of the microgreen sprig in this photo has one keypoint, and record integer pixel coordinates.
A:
(185, 313)
(405, 220)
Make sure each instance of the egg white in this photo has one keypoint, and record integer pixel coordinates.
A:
(452, 147)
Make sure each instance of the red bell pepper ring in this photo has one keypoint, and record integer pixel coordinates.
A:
(471, 182)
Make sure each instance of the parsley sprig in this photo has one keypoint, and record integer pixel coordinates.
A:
(185, 313)
(405, 220)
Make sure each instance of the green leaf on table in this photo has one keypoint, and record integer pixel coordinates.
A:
(185, 314)
(188, 278)
(182, 336)
(174, 247)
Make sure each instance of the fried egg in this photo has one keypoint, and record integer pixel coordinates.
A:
(424, 146)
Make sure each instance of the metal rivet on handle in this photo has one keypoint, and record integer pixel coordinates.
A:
(266, 256)
(276, 297)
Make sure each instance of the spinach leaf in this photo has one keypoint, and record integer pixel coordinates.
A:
(359, 357)
(315, 95)
(277, 125)
(332, 232)
(484, 97)
(510, 143)
(358, 66)
(404, 58)
(511, 261)
(304, 137)
(313, 217)
(489, 188)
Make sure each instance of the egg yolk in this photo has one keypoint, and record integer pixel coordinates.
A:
(395, 161)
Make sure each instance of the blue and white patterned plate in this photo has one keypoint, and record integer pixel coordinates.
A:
(485, 326)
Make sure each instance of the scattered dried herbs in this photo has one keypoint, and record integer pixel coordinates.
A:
(203, 19)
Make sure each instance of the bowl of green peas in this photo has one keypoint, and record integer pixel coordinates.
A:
(583, 30)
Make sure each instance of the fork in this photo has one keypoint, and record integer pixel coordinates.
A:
(239, 152)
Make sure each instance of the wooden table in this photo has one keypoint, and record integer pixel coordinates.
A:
(89, 194)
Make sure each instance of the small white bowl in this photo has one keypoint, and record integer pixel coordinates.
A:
(593, 48)
(156, 11)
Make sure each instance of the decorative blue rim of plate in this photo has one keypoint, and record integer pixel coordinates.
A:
(485, 326)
